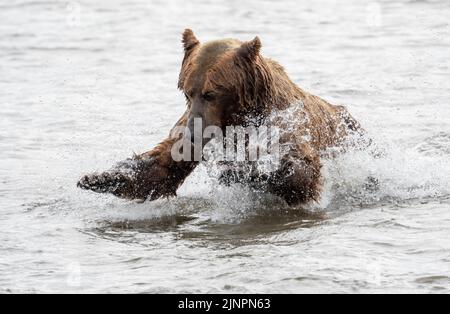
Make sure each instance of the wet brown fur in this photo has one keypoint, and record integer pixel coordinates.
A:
(255, 86)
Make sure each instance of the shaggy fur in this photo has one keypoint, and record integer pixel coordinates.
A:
(229, 83)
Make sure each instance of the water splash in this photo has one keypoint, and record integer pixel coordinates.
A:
(399, 174)
(386, 173)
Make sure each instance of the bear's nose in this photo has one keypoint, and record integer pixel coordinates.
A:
(190, 134)
(195, 126)
(192, 138)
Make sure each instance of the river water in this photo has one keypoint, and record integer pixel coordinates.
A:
(84, 84)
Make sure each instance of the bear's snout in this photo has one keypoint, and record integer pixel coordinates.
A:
(195, 128)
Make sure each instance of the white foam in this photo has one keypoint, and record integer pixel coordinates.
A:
(402, 173)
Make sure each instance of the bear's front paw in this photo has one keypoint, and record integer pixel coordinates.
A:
(137, 178)
(108, 182)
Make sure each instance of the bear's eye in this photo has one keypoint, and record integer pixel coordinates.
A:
(208, 96)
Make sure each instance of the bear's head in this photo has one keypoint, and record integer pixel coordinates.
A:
(226, 82)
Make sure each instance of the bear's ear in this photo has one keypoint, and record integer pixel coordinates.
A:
(250, 49)
(189, 40)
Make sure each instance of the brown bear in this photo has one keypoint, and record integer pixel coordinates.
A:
(229, 83)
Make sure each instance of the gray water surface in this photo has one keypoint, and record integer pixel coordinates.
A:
(84, 84)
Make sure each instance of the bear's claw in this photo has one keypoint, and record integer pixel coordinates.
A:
(137, 178)
(107, 182)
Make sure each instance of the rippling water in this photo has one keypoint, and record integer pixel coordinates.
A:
(85, 83)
